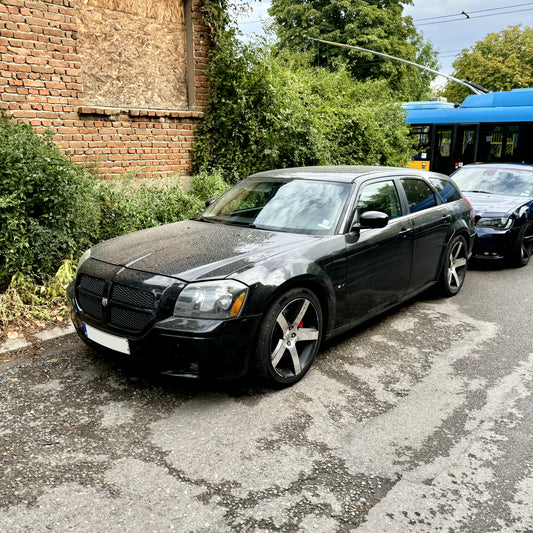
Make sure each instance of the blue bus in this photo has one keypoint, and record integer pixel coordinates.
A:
(485, 128)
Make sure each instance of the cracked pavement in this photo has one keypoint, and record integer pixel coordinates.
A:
(420, 421)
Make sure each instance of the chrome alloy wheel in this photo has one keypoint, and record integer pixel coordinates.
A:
(295, 337)
(457, 265)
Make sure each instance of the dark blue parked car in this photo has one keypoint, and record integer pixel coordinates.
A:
(502, 196)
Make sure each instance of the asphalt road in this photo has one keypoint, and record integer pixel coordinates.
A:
(422, 421)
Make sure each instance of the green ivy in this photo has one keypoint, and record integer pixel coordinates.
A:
(269, 111)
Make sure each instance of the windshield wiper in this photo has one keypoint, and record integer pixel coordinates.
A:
(228, 222)
(482, 192)
(241, 224)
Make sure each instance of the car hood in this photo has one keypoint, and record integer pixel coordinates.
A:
(494, 205)
(192, 250)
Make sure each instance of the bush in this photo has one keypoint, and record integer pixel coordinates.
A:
(127, 206)
(50, 209)
(271, 111)
(47, 205)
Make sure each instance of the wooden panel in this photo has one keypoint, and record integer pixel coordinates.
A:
(163, 10)
(131, 59)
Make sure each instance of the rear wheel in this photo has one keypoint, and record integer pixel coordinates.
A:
(523, 246)
(454, 268)
(289, 338)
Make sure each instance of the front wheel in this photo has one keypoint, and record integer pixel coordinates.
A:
(454, 268)
(289, 338)
(523, 246)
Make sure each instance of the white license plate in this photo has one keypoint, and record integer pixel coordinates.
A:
(119, 344)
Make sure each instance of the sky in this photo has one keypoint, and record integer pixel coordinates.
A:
(451, 32)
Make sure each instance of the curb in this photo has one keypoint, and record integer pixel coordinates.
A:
(12, 345)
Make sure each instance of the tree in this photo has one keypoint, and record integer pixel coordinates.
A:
(373, 24)
(500, 62)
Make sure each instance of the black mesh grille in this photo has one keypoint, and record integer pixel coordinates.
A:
(91, 306)
(118, 312)
(134, 297)
(127, 318)
(93, 285)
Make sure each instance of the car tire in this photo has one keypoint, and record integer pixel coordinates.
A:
(454, 269)
(523, 246)
(289, 338)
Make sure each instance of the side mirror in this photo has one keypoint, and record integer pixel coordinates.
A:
(372, 219)
(209, 201)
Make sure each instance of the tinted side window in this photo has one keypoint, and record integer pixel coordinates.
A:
(419, 195)
(381, 196)
(447, 191)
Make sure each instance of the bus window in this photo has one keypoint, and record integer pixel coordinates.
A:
(499, 143)
(464, 146)
(421, 136)
(443, 157)
(512, 142)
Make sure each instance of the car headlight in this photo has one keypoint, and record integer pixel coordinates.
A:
(83, 258)
(495, 223)
(211, 299)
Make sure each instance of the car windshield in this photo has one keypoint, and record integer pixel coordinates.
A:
(495, 181)
(299, 206)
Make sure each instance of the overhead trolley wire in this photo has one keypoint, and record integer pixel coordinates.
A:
(477, 11)
(472, 14)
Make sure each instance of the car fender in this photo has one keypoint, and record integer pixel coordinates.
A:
(524, 211)
(298, 274)
(458, 227)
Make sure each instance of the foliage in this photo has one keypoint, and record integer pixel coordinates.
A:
(215, 16)
(26, 304)
(208, 185)
(500, 61)
(269, 111)
(125, 207)
(239, 108)
(355, 123)
(375, 25)
(128, 206)
(47, 209)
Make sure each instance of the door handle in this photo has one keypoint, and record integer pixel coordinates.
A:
(404, 232)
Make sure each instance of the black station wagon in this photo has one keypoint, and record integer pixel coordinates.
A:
(280, 262)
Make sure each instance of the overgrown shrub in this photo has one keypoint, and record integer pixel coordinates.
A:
(47, 206)
(271, 111)
(128, 206)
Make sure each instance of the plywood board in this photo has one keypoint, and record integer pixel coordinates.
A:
(131, 60)
(163, 10)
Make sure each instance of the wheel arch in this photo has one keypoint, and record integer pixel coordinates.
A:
(461, 230)
(319, 288)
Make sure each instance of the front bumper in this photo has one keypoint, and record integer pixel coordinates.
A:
(493, 244)
(199, 349)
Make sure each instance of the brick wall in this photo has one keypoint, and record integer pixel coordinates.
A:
(41, 83)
